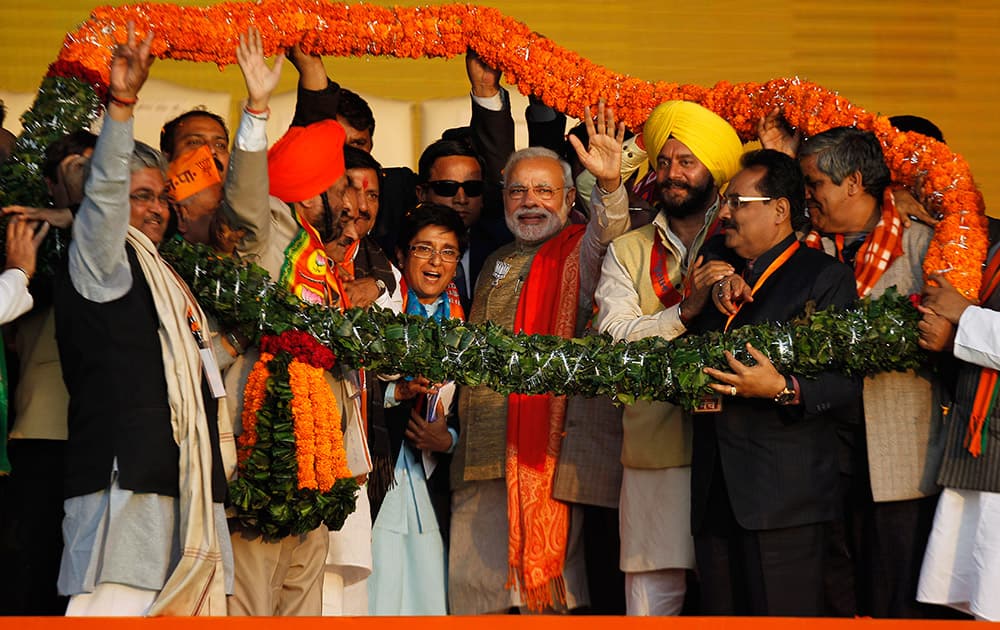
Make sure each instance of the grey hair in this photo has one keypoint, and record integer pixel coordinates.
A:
(841, 151)
(145, 156)
(539, 152)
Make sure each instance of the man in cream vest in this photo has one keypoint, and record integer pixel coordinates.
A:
(652, 283)
(895, 455)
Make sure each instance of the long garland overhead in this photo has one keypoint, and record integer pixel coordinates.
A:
(561, 78)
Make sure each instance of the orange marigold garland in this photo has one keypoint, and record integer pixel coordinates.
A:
(559, 77)
(293, 468)
(253, 399)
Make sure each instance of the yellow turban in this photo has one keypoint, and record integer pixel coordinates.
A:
(710, 138)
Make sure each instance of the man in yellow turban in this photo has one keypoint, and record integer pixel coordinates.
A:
(651, 284)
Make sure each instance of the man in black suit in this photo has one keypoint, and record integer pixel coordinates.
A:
(764, 473)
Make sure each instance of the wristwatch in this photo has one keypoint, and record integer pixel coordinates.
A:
(382, 289)
(787, 394)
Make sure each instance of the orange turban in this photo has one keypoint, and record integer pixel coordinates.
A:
(306, 161)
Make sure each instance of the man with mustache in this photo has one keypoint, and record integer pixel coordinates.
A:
(764, 470)
(144, 400)
(292, 200)
(651, 284)
(540, 283)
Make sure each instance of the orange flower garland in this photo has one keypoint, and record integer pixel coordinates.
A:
(319, 440)
(561, 78)
(305, 418)
(292, 464)
(253, 398)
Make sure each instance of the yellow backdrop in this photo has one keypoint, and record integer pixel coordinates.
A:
(933, 59)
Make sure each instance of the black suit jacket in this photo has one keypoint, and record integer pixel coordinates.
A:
(779, 462)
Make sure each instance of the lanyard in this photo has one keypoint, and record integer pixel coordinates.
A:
(777, 262)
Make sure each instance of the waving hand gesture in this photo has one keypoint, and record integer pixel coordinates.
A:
(603, 157)
(260, 79)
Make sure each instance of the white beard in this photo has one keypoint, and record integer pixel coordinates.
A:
(538, 232)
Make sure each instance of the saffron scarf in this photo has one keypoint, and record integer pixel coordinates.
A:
(308, 272)
(986, 389)
(659, 273)
(538, 523)
(882, 246)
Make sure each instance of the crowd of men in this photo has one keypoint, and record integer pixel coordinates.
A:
(781, 494)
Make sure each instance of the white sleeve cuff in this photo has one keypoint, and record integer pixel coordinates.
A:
(252, 133)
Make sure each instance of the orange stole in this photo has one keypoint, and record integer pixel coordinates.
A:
(538, 523)
(881, 247)
(986, 389)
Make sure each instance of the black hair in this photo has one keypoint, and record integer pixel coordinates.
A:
(919, 124)
(74, 143)
(445, 148)
(782, 178)
(169, 130)
(356, 111)
(431, 214)
(356, 158)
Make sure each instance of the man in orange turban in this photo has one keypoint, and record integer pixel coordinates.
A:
(291, 200)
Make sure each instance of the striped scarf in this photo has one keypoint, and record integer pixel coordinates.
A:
(987, 389)
(882, 246)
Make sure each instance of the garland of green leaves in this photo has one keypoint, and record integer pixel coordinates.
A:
(266, 494)
(63, 105)
(877, 336)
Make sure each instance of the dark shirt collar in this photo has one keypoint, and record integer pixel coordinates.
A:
(756, 267)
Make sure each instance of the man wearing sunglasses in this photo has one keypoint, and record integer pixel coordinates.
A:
(451, 175)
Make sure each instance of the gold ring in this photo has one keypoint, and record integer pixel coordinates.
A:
(732, 390)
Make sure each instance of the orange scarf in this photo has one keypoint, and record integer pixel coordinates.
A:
(307, 271)
(881, 247)
(986, 389)
(538, 523)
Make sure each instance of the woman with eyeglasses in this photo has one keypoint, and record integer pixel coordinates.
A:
(410, 522)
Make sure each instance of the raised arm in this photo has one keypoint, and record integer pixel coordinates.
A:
(609, 218)
(246, 189)
(98, 264)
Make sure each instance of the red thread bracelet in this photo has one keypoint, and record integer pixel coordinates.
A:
(126, 102)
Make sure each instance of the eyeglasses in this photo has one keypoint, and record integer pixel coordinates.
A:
(426, 252)
(449, 187)
(544, 193)
(735, 202)
(148, 197)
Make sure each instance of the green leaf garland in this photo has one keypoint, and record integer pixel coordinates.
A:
(878, 336)
(266, 494)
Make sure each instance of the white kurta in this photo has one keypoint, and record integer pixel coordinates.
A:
(962, 563)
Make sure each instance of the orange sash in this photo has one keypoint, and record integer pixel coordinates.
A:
(538, 523)
(307, 272)
(986, 389)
